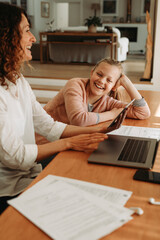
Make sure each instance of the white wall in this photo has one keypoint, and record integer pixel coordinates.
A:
(39, 23)
(122, 12)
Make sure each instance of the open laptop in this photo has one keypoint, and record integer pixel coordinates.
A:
(125, 151)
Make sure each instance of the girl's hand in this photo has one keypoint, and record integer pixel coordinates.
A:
(86, 142)
(103, 127)
(125, 82)
(116, 123)
(115, 112)
(122, 81)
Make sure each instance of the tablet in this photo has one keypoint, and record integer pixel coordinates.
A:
(116, 123)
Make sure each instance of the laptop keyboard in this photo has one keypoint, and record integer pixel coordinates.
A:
(135, 150)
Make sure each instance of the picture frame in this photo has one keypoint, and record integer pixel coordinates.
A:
(45, 9)
(109, 7)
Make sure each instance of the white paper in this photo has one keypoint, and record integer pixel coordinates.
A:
(137, 132)
(115, 195)
(64, 211)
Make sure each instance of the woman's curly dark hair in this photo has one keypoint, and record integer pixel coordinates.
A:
(10, 36)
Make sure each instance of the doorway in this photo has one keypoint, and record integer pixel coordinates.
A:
(62, 12)
(63, 16)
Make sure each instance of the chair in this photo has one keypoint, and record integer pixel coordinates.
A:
(123, 45)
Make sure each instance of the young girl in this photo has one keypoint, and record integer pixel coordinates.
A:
(85, 102)
(21, 115)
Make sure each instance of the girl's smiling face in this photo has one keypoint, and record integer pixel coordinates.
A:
(27, 39)
(103, 79)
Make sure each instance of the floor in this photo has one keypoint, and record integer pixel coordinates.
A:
(133, 68)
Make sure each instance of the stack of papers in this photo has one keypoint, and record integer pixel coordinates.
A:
(71, 209)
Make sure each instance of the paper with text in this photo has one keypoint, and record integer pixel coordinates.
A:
(115, 195)
(138, 132)
(67, 212)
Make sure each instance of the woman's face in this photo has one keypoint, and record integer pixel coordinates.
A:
(27, 39)
(103, 79)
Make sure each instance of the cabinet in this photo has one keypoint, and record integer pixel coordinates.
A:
(81, 46)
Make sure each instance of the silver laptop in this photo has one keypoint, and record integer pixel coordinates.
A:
(125, 151)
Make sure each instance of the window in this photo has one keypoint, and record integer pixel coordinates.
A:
(109, 7)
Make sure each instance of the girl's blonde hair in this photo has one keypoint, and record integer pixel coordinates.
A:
(110, 62)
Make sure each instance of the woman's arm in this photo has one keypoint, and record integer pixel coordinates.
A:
(76, 138)
(83, 142)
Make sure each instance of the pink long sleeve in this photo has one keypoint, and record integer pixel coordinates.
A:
(70, 105)
(136, 111)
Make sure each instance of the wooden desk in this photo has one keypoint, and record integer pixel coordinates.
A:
(81, 38)
(72, 164)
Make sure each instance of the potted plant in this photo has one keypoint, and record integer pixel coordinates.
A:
(92, 23)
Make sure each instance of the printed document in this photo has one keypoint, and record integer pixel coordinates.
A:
(70, 209)
(137, 132)
(114, 195)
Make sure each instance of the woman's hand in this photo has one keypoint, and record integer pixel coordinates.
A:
(85, 142)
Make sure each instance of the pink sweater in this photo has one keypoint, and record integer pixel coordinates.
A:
(70, 105)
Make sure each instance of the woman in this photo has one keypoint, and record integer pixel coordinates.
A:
(85, 102)
(21, 115)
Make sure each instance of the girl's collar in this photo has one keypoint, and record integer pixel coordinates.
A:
(88, 91)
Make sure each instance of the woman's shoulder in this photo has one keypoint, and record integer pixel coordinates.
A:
(3, 93)
(22, 81)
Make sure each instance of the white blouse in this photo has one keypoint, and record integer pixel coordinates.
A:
(20, 116)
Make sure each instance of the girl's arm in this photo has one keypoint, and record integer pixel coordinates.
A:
(139, 109)
(109, 115)
(129, 86)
